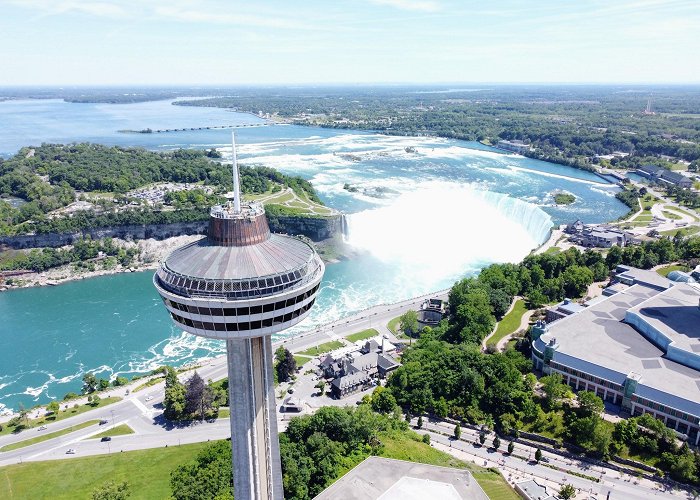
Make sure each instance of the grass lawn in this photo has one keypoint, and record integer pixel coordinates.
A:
(146, 471)
(402, 447)
(394, 325)
(671, 215)
(686, 231)
(688, 212)
(364, 334)
(553, 250)
(509, 323)
(320, 349)
(70, 412)
(301, 360)
(150, 383)
(120, 430)
(664, 271)
(46, 437)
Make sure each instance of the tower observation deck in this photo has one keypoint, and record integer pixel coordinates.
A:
(242, 284)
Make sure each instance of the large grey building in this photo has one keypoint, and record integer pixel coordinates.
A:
(241, 284)
(638, 348)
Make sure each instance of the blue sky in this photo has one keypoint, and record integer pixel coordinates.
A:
(211, 42)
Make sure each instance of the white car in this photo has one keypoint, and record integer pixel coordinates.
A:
(42, 428)
(148, 398)
(70, 451)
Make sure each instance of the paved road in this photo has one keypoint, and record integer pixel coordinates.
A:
(516, 469)
(142, 415)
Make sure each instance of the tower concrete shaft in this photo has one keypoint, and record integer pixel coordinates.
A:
(254, 439)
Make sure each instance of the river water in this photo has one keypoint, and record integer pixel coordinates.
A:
(426, 212)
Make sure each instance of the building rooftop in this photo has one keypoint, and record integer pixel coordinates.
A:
(202, 259)
(388, 479)
(532, 490)
(597, 341)
(632, 275)
(675, 315)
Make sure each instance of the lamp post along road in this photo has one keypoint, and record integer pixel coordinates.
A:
(242, 284)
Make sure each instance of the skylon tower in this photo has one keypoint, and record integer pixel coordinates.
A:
(242, 284)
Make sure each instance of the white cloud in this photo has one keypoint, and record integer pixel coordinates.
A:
(421, 5)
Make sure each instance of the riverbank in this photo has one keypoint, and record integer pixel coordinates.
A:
(151, 253)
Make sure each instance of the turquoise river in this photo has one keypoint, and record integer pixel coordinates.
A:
(448, 208)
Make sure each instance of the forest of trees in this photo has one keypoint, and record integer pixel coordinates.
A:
(565, 124)
(315, 449)
(49, 178)
(446, 373)
(83, 250)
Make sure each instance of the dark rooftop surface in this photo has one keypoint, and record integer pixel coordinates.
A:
(202, 259)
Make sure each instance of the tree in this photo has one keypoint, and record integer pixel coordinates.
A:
(89, 383)
(102, 384)
(53, 407)
(209, 476)
(576, 280)
(511, 447)
(112, 491)
(457, 432)
(119, 381)
(198, 396)
(496, 442)
(538, 455)
(174, 401)
(383, 401)
(589, 404)
(419, 424)
(482, 437)
(567, 492)
(426, 438)
(94, 400)
(614, 257)
(321, 386)
(408, 322)
(285, 364)
(554, 389)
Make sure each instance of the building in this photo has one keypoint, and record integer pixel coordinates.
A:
(431, 312)
(292, 405)
(515, 146)
(390, 479)
(563, 309)
(358, 370)
(532, 490)
(665, 176)
(638, 348)
(598, 236)
(241, 284)
(350, 384)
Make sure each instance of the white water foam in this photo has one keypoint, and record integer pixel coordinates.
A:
(442, 228)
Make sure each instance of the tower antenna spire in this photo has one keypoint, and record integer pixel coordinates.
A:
(236, 178)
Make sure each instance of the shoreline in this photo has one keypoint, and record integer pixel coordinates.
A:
(153, 252)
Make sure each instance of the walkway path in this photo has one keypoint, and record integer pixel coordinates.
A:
(524, 323)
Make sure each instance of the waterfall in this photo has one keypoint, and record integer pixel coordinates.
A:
(445, 229)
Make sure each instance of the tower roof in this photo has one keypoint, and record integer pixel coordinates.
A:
(275, 256)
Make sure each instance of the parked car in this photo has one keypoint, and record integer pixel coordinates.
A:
(42, 428)
(148, 398)
(70, 451)
(106, 438)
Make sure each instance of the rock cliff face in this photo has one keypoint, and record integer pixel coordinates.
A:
(317, 229)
